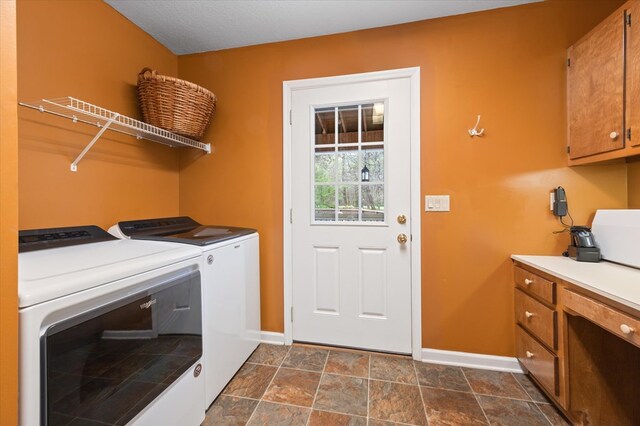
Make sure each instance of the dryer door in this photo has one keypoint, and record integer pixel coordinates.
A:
(108, 364)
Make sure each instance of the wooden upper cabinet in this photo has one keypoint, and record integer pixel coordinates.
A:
(595, 89)
(633, 72)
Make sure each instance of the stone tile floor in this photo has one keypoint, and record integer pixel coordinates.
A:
(312, 385)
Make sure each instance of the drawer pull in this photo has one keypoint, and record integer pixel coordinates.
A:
(626, 329)
(527, 281)
(528, 314)
(529, 354)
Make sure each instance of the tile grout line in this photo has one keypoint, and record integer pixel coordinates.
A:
(506, 397)
(522, 387)
(530, 397)
(318, 387)
(475, 396)
(424, 407)
(271, 381)
(543, 414)
(337, 374)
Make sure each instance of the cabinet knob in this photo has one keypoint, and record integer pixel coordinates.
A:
(626, 329)
(528, 314)
(529, 354)
(527, 281)
(613, 135)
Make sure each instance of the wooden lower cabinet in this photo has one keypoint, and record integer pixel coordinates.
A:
(583, 350)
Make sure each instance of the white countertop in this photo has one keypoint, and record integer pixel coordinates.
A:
(613, 281)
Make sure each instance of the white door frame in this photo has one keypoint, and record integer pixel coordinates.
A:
(416, 261)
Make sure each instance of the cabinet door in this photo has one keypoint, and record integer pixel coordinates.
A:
(595, 90)
(633, 71)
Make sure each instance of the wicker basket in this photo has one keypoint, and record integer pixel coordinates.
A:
(175, 105)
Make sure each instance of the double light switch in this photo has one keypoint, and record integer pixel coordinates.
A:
(436, 203)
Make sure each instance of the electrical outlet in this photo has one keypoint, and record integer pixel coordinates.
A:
(437, 203)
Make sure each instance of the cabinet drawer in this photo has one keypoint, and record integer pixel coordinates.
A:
(541, 363)
(536, 318)
(535, 284)
(618, 323)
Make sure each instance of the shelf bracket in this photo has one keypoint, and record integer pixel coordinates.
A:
(74, 165)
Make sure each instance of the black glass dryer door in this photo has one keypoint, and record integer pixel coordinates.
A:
(108, 364)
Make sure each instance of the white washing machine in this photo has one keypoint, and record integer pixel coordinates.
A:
(231, 289)
(110, 330)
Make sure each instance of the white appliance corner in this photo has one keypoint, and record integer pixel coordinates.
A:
(272, 338)
(472, 360)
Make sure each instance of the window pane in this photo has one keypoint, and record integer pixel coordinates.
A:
(373, 122)
(325, 166)
(348, 202)
(348, 170)
(348, 124)
(373, 203)
(373, 159)
(346, 140)
(325, 203)
(325, 126)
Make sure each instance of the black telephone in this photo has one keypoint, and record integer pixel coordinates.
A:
(581, 236)
(583, 246)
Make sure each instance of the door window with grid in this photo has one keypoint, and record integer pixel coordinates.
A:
(349, 163)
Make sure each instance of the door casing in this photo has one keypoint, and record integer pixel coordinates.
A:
(416, 261)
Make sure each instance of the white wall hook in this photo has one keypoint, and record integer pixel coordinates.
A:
(475, 132)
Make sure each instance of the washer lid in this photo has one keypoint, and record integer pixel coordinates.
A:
(181, 229)
(48, 274)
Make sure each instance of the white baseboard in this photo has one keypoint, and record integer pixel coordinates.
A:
(272, 338)
(471, 360)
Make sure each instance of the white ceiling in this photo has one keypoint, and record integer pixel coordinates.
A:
(190, 26)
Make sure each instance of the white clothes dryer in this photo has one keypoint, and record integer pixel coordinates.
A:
(110, 330)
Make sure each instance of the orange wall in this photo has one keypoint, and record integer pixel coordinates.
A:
(87, 50)
(8, 216)
(508, 65)
(633, 175)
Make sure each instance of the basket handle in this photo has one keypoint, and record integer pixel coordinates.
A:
(144, 71)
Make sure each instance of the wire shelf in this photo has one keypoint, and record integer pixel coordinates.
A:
(84, 112)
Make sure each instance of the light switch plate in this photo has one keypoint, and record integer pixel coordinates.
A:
(436, 203)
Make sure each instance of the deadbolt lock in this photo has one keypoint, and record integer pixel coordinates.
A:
(402, 219)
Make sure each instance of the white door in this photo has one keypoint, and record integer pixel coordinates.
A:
(351, 224)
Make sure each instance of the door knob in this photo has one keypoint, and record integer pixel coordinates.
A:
(613, 135)
(402, 219)
(402, 238)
